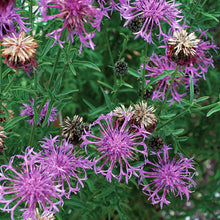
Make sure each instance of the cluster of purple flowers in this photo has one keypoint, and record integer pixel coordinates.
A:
(40, 179)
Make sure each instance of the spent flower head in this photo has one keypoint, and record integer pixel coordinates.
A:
(29, 111)
(76, 16)
(118, 147)
(2, 137)
(44, 216)
(64, 165)
(168, 176)
(152, 13)
(2, 111)
(28, 185)
(19, 51)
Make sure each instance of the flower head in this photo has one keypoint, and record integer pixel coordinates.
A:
(189, 50)
(168, 176)
(121, 67)
(117, 145)
(158, 65)
(76, 15)
(60, 161)
(44, 216)
(28, 185)
(28, 110)
(2, 136)
(19, 51)
(74, 129)
(152, 13)
(9, 19)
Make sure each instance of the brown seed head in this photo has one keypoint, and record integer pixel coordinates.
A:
(10, 112)
(19, 52)
(144, 115)
(74, 129)
(2, 136)
(43, 216)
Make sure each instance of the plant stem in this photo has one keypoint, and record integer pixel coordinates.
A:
(168, 89)
(54, 67)
(31, 15)
(172, 119)
(9, 85)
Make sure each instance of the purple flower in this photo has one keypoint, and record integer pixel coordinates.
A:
(110, 5)
(155, 67)
(152, 12)
(168, 176)
(28, 185)
(190, 51)
(60, 161)
(118, 146)
(9, 19)
(75, 14)
(28, 110)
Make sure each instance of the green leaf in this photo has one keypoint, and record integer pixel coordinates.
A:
(72, 69)
(107, 99)
(105, 84)
(127, 85)
(46, 48)
(210, 16)
(161, 76)
(49, 109)
(10, 124)
(24, 89)
(90, 65)
(213, 110)
(67, 93)
(177, 131)
(202, 98)
(134, 73)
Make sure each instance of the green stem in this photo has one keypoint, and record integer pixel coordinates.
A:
(54, 67)
(1, 70)
(61, 74)
(9, 85)
(172, 119)
(143, 73)
(168, 89)
(208, 106)
(123, 49)
(31, 15)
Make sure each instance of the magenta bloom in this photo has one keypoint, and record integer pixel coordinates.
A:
(186, 49)
(28, 110)
(75, 14)
(153, 12)
(28, 185)
(168, 176)
(118, 146)
(60, 161)
(9, 19)
(155, 67)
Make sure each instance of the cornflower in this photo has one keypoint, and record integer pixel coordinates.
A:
(28, 185)
(28, 110)
(117, 145)
(76, 15)
(168, 176)
(9, 19)
(65, 166)
(152, 13)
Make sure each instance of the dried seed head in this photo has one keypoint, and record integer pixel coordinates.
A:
(2, 136)
(148, 93)
(182, 47)
(144, 115)
(74, 129)
(121, 112)
(19, 52)
(43, 216)
(10, 112)
(121, 68)
(155, 143)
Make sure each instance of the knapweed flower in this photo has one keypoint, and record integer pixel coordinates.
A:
(118, 147)
(44, 216)
(155, 67)
(29, 111)
(28, 185)
(144, 116)
(59, 160)
(9, 19)
(2, 137)
(19, 51)
(74, 129)
(168, 176)
(152, 13)
(76, 16)
(2, 111)
(189, 50)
